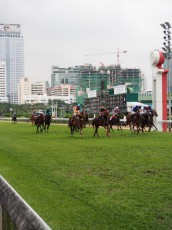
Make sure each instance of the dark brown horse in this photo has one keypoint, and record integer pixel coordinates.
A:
(151, 124)
(115, 121)
(47, 122)
(103, 122)
(76, 124)
(146, 120)
(33, 118)
(133, 120)
(39, 122)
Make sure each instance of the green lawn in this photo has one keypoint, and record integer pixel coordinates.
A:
(122, 182)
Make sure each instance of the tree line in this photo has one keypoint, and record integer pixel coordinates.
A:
(25, 110)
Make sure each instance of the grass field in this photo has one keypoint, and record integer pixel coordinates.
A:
(124, 182)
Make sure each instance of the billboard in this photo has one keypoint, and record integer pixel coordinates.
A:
(92, 93)
(119, 89)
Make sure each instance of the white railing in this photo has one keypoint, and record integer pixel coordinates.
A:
(19, 212)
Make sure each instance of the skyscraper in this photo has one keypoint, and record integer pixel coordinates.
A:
(12, 53)
(3, 88)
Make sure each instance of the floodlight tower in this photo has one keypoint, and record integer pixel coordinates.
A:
(167, 53)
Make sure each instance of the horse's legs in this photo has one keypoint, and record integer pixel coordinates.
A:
(96, 131)
(37, 128)
(72, 130)
(108, 131)
(111, 128)
(48, 127)
(155, 127)
(81, 132)
(119, 127)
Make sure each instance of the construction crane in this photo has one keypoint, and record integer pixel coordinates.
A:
(115, 52)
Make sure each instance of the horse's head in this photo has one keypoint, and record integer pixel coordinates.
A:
(154, 112)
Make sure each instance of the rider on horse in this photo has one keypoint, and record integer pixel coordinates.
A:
(116, 112)
(103, 114)
(145, 111)
(135, 110)
(48, 112)
(77, 111)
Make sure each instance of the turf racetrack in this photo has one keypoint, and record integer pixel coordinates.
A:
(90, 183)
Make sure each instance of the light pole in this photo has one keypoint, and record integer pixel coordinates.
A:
(167, 53)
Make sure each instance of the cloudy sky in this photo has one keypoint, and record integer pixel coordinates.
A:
(62, 32)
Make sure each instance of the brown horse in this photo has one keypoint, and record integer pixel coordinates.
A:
(115, 120)
(33, 118)
(76, 123)
(133, 120)
(150, 120)
(146, 120)
(103, 122)
(39, 122)
(47, 122)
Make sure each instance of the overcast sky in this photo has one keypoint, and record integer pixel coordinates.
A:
(61, 32)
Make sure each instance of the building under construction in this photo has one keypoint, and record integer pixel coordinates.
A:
(88, 78)
(118, 76)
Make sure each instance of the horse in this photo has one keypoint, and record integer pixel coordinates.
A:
(151, 121)
(14, 119)
(76, 123)
(47, 122)
(115, 120)
(133, 120)
(147, 120)
(33, 118)
(39, 122)
(101, 121)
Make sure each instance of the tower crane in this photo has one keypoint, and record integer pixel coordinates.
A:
(114, 52)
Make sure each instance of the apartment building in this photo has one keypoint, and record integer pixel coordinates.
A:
(24, 88)
(65, 92)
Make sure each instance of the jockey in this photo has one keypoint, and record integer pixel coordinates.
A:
(48, 112)
(145, 109)
(102, 111)
(135, 109)
(116, 112)
(77, 109)
(148, 109)
(103, 114)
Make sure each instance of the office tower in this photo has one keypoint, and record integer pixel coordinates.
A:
(3, 92)
(12, 53)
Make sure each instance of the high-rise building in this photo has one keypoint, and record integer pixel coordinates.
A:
(24, 88)
(3, 88)
(69, 76)
(12, 53)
